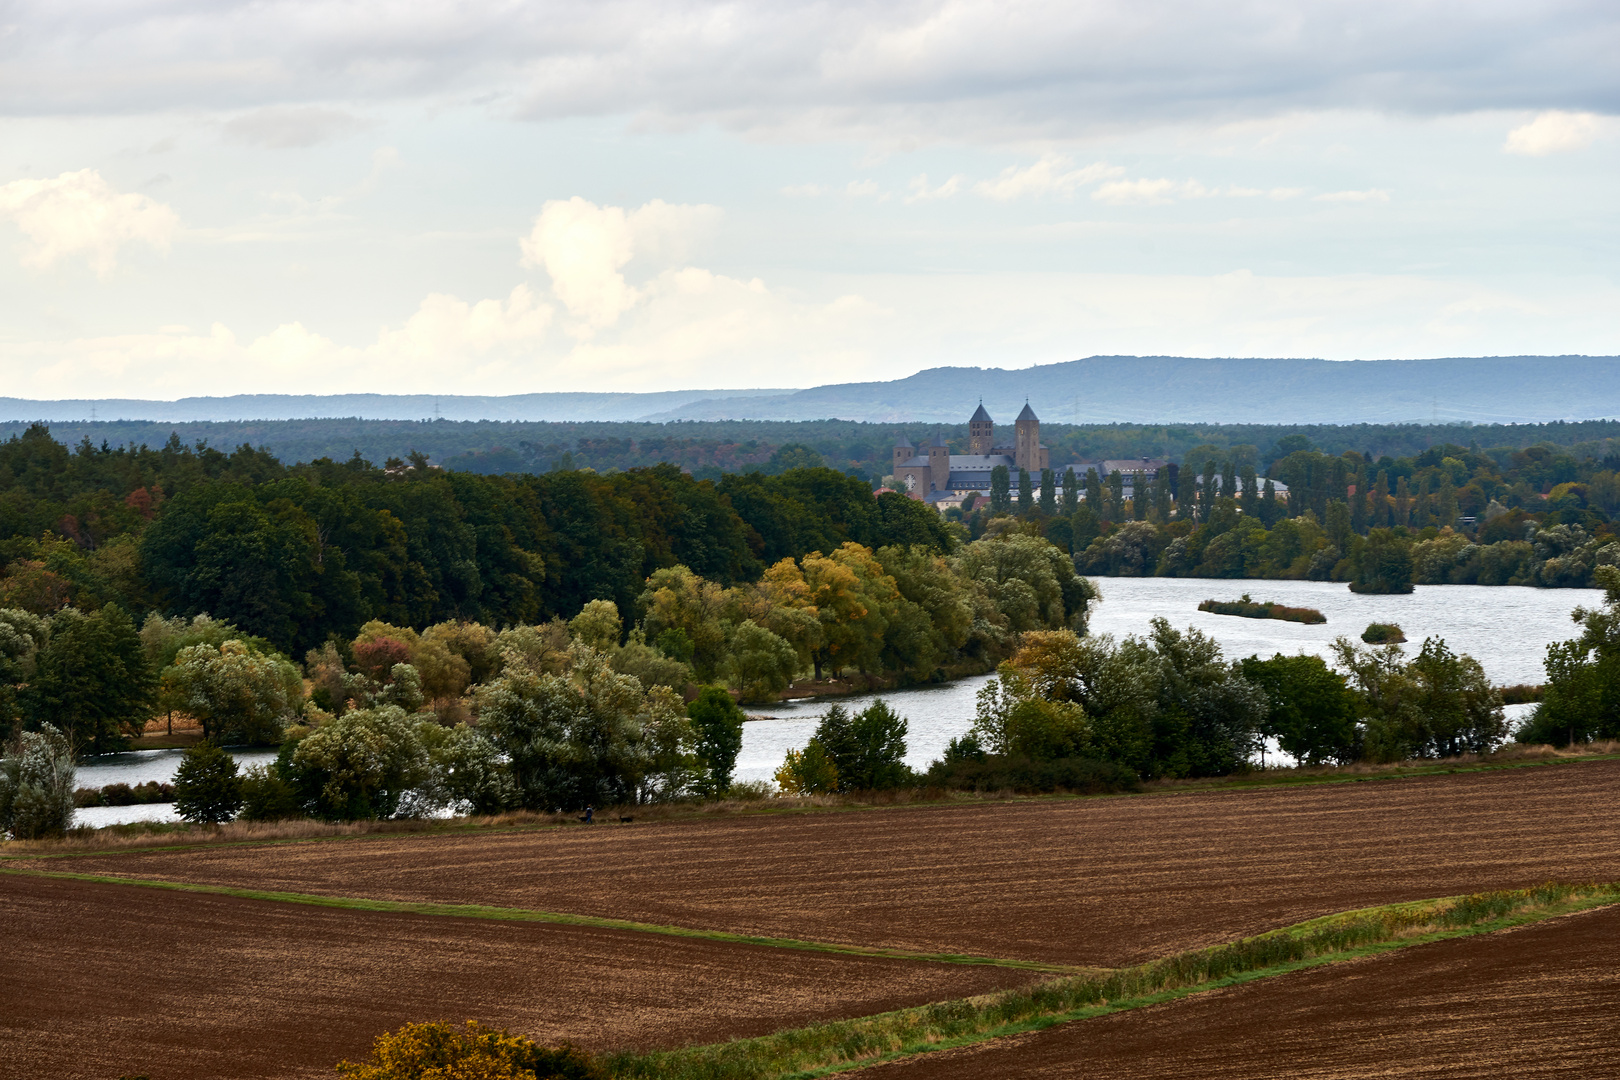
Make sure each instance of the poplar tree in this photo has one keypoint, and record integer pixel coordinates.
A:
(1071, 493)
(1026, 494)
(1048, 493)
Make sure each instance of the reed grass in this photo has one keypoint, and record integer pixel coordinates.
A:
(1246, 608)
(832, 1047)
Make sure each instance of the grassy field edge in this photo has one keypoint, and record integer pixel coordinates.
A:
(111, 840)
(839, 1046)
(510, 914)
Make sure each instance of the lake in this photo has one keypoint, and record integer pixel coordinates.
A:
(1507, 629)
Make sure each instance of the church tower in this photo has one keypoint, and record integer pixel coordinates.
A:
(981, 432)
(1027, 441)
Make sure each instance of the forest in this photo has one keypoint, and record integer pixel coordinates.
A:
(710, 449)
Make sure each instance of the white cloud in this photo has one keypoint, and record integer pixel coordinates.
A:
(804, 191)
(291, 128)
(80, 213)
(1053, 174)
(981, 70)
(1370, 195)
(585, 248)
(1149, 192)
(1554, 132)
(861, 189)
(921, 192)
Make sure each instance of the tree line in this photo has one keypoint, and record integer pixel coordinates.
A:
(1446, 516)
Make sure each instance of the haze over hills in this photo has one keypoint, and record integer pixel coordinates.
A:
(1097, 389)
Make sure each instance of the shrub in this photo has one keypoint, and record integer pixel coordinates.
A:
(1086, 776)
(124, 795)
(442, 1051)
(267, 797)
(206, 786)
(1383, 634)
(36, 785)
(867, 749)
(1249, 609)
(808, 772)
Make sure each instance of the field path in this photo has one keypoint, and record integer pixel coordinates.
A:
(1538, 1002)
(1105, 881)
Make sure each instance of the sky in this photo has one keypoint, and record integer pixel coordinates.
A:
(291, 196)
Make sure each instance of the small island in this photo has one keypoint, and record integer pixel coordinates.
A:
(1383, 634)
(1246, 608)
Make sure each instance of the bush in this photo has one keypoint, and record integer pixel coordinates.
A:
(1379, 633)
(207, 789)
(867, 749)
(808, 772)
(442, 1051)
(1249, 609)
(267, 797)
(124, 795)
(1085, 776)
(36, 785)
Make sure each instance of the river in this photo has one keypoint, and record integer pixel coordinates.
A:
(1507, 629)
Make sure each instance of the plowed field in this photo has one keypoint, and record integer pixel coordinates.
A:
(1534, 1003)
(1094, 881)
(97, 981)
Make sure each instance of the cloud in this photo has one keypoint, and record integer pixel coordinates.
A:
(1149, 192)
(980, 70)
(861, 189)
(585, 248)
(1053, 174)
(1554, 132)
(292, 128)
(804, 191)
(921, 192)
(80, 213)
(1370, 195)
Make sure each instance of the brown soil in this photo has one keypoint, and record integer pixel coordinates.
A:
(1536, 1002)
(102, 980)
(1092, 881)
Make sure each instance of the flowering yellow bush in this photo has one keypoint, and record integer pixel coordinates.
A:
(442, 1051)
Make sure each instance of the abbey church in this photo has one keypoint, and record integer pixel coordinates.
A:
(934, 472)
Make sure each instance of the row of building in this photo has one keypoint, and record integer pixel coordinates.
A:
(935, 475)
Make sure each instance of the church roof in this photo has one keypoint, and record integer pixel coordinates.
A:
(1027, 414)
(937, 441)
(980, 416)
(904, 442)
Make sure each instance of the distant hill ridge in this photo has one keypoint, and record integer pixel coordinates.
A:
(1097, 389)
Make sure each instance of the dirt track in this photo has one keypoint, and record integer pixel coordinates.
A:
(102, 980)
(1097, 881)
(1533, 1003)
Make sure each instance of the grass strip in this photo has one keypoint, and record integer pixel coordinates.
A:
(509, 914)
(838, 1046)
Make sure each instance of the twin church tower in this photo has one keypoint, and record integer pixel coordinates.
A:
(934, 472)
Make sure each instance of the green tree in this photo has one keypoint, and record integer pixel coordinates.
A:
(359, 765)
(1000, 491)
(867, 749)
(238, 696)
(1048, 493)
(597, 625)
(589, 736)
(1071, 493)
(1026, 495)
(207, 789)
(760, 663)
(21, 635)
(718, 723)
(1094, 495)
(1581, 701)
(1385, 565)
(808, 772)
(1312, 712)
(91, 680)
(36, 785)
(469, 774)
